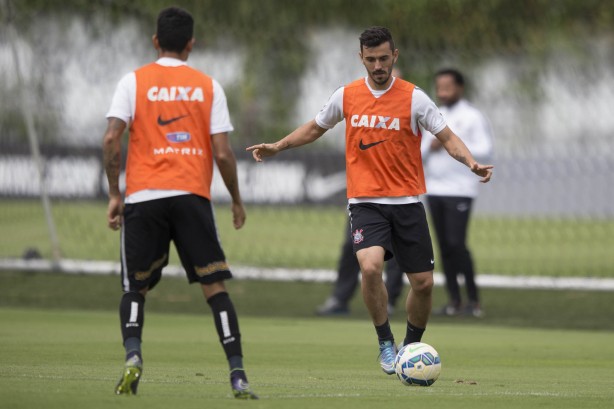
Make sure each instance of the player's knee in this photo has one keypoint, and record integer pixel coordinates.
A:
(371, 270)
(423, 285)
(212, 289)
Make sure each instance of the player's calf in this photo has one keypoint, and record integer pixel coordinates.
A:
(227, 325)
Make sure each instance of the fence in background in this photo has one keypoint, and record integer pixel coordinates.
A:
(547, 88)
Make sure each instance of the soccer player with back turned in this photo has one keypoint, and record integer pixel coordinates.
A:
(383, 117)
(179, 124)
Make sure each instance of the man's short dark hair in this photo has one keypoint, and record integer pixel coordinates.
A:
(456, 75)
(374, 36)
(175, 29)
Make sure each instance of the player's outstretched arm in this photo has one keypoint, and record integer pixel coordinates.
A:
(227, 164)
(303, 135)
(111, 153)
(458, 150)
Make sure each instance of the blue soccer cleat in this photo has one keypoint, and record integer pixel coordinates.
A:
(387, 354)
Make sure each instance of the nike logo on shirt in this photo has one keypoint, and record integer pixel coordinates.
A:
(364, 147)
(163, 122)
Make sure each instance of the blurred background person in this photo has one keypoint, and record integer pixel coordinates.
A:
(451, 191)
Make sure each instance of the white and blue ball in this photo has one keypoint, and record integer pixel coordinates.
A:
(417, 364)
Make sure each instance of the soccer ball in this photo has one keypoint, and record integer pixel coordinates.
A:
(417, 364)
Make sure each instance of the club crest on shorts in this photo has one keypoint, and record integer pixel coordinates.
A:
(358, 237)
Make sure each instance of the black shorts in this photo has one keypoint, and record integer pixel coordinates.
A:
(402, 230)
(148, 229)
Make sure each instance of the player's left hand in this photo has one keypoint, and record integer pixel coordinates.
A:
(238, 215)
(485, 171)
(114, 212)
(263, 150)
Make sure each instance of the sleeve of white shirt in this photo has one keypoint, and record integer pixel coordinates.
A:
(332, 113)
(220, 117)
(479, 138)
(124, 99)
(425, 113)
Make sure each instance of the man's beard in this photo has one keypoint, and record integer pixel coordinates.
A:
(380, 82)
(450, 102)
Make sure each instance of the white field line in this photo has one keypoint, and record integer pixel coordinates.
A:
(311, 275)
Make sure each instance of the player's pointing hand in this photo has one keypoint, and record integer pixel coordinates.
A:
(263, 150)
(485, 171)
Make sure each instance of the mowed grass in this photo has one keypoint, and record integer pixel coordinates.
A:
(582, 310)
(310, 237)
(72, 359)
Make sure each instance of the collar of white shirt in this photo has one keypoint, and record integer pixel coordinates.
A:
(171, 62)
(379, 92)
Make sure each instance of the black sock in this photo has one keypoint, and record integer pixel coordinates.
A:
(236, 368)
(235, 362)
(227, 324)
(131, 317)
(384, 333)
(133, 347)
(413, 334)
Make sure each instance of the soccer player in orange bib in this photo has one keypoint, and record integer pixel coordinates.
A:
(179, 124)
(385, 179)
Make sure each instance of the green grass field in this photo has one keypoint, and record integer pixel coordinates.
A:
(60, 347)
(310, 237)
(588, 310)
(72, 359)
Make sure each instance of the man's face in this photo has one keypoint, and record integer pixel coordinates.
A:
(379, 61)
(448, 91)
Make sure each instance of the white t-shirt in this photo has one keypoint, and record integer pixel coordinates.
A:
(123, 106)
(444, 175)
(424, 115)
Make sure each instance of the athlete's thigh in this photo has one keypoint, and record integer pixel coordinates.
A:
(145, 240)
(195, 235)
(411, 239)
(370, 227)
